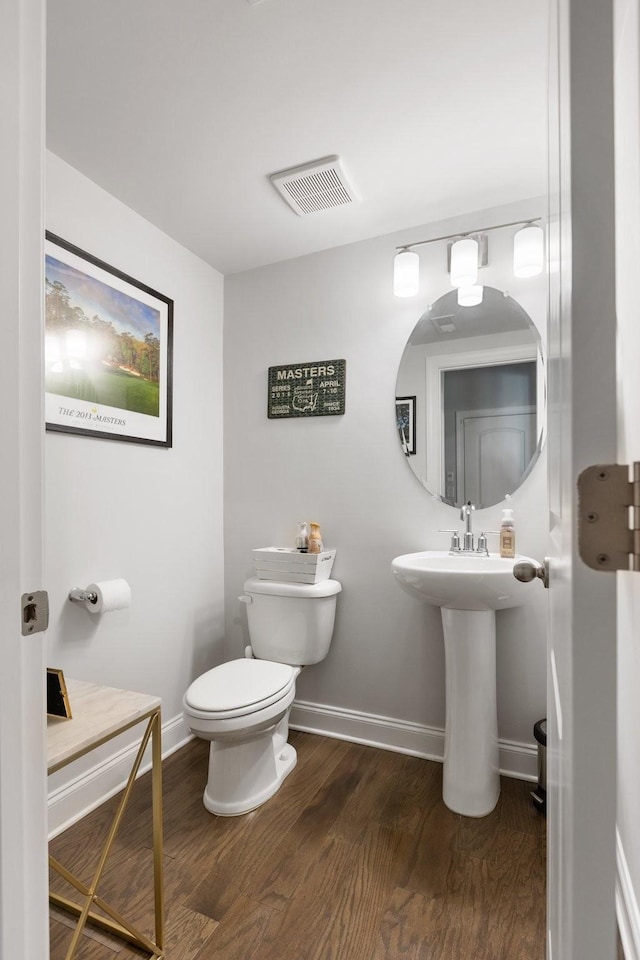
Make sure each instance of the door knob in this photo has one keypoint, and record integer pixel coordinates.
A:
(528, 570)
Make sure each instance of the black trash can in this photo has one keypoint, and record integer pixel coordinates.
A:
(539, 795)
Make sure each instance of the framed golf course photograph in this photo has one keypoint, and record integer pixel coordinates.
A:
(108, 350)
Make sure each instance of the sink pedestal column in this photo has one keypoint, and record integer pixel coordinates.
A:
(471, 781)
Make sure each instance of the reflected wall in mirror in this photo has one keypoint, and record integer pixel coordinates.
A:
(478, 378)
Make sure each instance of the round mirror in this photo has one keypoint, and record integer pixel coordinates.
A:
(470, 398)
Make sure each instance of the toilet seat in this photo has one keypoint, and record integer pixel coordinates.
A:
(239, 688)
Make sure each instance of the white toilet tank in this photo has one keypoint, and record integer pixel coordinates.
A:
(291, 622)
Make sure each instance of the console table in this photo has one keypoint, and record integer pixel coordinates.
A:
(99, 714)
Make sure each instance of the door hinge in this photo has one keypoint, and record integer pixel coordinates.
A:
(35, 612)
(609, 517)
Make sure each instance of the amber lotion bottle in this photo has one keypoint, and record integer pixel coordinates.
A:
(507, 535)
(315, 538)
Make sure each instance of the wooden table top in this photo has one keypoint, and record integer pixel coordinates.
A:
(98, 713)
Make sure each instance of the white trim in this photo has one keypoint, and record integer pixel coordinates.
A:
(79, 796)
(23, 862)
(627, 909)
(519, 760)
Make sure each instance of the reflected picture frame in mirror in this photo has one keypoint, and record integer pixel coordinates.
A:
(478, 376)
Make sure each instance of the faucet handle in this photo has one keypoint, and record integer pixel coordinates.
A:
(455, 540)
(483, 546)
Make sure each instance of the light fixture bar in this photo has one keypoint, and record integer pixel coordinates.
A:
(468, 233)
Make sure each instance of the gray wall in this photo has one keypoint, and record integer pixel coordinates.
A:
(150, 515)
(349, 473)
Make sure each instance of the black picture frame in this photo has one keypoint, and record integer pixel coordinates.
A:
(406, 424)
(108, 350)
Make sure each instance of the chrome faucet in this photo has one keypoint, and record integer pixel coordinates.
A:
(466, 543)
(465, 514)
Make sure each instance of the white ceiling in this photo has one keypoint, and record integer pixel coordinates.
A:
(182, 108)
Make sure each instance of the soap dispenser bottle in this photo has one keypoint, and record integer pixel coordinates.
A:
(302, 539)
(507, 534)
(315, 538)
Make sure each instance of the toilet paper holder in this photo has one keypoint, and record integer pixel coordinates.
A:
(83, 596)
(103, 596)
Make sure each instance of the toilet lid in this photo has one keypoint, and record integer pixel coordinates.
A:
(238, 685)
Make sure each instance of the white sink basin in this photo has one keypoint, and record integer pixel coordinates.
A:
(461, 582)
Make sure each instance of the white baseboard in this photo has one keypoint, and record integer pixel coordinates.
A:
(79, 796)
(82, 794)
(519, 760)
(627, 909)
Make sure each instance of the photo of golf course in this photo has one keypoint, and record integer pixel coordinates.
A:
(101, 345)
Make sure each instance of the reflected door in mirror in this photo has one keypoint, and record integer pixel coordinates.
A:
(494, 452)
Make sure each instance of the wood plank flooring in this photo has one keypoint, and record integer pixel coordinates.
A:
(355, 858)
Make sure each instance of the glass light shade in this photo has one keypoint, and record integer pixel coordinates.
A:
(406, 274)
(464, 262)
(528, 251)
(470, 296)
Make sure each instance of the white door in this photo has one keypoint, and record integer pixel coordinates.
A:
(23, 836)
(494, 450)
(627, 133)
(582, 431)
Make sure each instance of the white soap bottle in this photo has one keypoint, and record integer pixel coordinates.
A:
(302, 539)
(507, 534)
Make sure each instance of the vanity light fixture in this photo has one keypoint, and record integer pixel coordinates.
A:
(467, 253)
(406, 273)
(470, 296)
(464, 262)
(528, 251)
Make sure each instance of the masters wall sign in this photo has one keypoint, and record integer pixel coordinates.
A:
(314, 389)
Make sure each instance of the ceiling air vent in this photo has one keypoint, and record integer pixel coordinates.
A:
(444, 324)
(315, 186)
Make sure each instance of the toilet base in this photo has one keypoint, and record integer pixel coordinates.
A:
(244, 774)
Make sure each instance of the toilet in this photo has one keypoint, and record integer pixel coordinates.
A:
(242, 707)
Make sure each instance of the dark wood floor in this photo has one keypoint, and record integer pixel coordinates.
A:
(356, 858)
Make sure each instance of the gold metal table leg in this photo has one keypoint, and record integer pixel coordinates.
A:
(118, 925)
(156, 792)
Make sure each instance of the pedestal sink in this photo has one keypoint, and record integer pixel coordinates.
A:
(468, 588)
